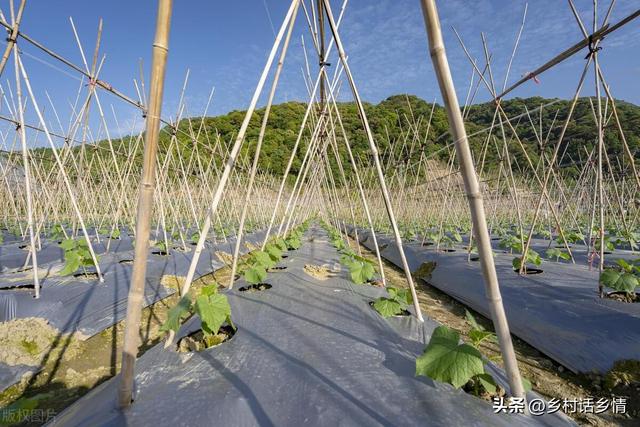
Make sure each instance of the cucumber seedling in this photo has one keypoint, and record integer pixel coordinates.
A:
(394, 305)
(212, 307)
(624, 278)
(447, 360)
(76, 256)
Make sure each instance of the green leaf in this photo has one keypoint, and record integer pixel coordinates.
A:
(472, 321)
(255, 274)
(516, 263)
(487, 381)
(361, 272)
(526, 384)
(280, 244)
(293, 243)
(402, 296)
(619, 281)
(477, 337)
(175, 315)
(274, 252)
(263, 259)
(68, 244)
(209, 290)
(346, 260)
(387, 307)
(73, 263)
(625, 265)
(213, 311)
(445, 360)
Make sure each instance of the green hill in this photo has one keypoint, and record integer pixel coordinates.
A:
(394, 120)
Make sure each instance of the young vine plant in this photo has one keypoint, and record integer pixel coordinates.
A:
(462, 365)
(76, 256)
(361, 269)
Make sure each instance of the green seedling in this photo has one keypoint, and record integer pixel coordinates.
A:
(395, 304)
(76, 255)
(558, 254)
(212, 307)
(624, 277)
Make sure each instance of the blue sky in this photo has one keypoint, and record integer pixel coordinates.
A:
(224, 44)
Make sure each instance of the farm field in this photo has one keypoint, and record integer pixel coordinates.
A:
(280, 233)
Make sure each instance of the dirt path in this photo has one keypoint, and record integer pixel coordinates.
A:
(547, 377)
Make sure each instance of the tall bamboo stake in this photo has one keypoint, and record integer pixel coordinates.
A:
(376, 157)
(27, 177)
(231, 160)
(145, 203)
(263, 128)
(474, 196)
(13, 35)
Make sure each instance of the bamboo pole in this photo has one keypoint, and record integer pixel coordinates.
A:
(592, 38)
(263, 128)
(376, 157)
(13, 34)
(61, 171)
(145, 203)
(27, 177)
(476, 205)
(233, 156)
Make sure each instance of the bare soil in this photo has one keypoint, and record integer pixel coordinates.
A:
(72, 367)
(320, 272)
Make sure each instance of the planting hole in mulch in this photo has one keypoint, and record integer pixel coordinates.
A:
(447, 250)
(623, 296)
(255, 288)
(125, 261)
(475, 258)
(285, 256)
(383, 247)
(27, 286)
(277, 268)
(86, 275)
(425, 270)
(198, 341)
(224, 257)
(530, 270)
(158, 252)
(427, 244)
(403, 313)
(20, 269)
(477, 390)
(320, 272)
(376, 282)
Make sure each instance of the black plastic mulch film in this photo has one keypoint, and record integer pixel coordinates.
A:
(307, 351)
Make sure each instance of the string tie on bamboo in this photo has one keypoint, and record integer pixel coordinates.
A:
(592, 48)
(532, 77)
